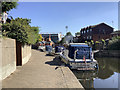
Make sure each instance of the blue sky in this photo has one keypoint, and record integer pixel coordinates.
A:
(54, 16)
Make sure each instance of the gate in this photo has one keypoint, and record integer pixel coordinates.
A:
(18, 54)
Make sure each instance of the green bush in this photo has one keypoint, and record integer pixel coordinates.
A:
(114, 44)
(20, 30)
(97, 42)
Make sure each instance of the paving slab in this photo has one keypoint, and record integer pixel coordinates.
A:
(41, 71)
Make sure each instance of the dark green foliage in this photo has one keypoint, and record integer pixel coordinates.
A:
(114, 44)
(33, 36)
(68, 33)
(40, 38)
(7, 6)
(20, 30)
(78, 33)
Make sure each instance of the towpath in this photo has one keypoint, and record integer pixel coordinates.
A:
(41, 72)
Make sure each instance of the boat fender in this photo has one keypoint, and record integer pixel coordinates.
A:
(96, 66)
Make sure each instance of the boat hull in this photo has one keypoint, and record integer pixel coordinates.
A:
(79, 65)
(42, 48)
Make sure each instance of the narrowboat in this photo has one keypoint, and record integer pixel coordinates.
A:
(59, 49)
(50, 50)
(41, 46)
(79, 56)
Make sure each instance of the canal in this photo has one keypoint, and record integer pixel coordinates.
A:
(105, 77)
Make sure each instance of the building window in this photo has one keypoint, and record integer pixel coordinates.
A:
(82, 32)
(87, 37)
(90, 37)
(103, 31)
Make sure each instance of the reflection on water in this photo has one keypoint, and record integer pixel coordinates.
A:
(105, 77)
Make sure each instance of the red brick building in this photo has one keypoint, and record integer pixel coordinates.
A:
(96, 32)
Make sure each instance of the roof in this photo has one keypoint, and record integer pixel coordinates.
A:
(93, 26)
(78, 45)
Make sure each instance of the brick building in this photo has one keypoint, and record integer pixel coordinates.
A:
(96, 32)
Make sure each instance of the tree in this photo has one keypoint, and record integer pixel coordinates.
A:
(78, 33)
(68, 33)
(40, 37)
(36, 33)
(114, 44)
(33, 35)
(20, 30)
(7, 6)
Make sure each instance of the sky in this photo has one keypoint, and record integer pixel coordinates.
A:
(54, 16)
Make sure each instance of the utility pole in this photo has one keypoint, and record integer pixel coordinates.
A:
(112, 23)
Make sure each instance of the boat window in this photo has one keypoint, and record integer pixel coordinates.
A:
(83, 52)
(48, 48)
(59, 49)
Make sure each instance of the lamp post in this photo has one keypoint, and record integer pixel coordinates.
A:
(66, 28)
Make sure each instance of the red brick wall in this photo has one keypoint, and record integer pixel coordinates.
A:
(97, 37)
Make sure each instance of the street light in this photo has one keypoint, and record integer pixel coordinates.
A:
(66, 28)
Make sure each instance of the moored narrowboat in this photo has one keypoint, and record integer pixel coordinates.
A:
(59, 49)
(79, 56)
(41, 45)
(50, 50)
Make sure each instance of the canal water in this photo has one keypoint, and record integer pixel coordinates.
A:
(107, 76)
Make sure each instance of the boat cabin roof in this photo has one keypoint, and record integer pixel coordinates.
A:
(79, 45)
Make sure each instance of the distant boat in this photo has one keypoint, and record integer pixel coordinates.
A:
(59, 49)
(41, 46)
(50, 50)
(79, 56)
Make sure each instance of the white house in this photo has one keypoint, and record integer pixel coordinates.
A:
(68, 39)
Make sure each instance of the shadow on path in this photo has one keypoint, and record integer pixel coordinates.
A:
(49, 55)
(56, 62)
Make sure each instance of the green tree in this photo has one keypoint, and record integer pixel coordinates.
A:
(7, 6)
(78, 33)
(36, 33)
(68, 33)
(20, 30)
(114, 44)
(40, 37)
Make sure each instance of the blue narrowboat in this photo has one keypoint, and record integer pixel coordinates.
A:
(41, 46)
(59, 49)
(50, 50)
(79, 56)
